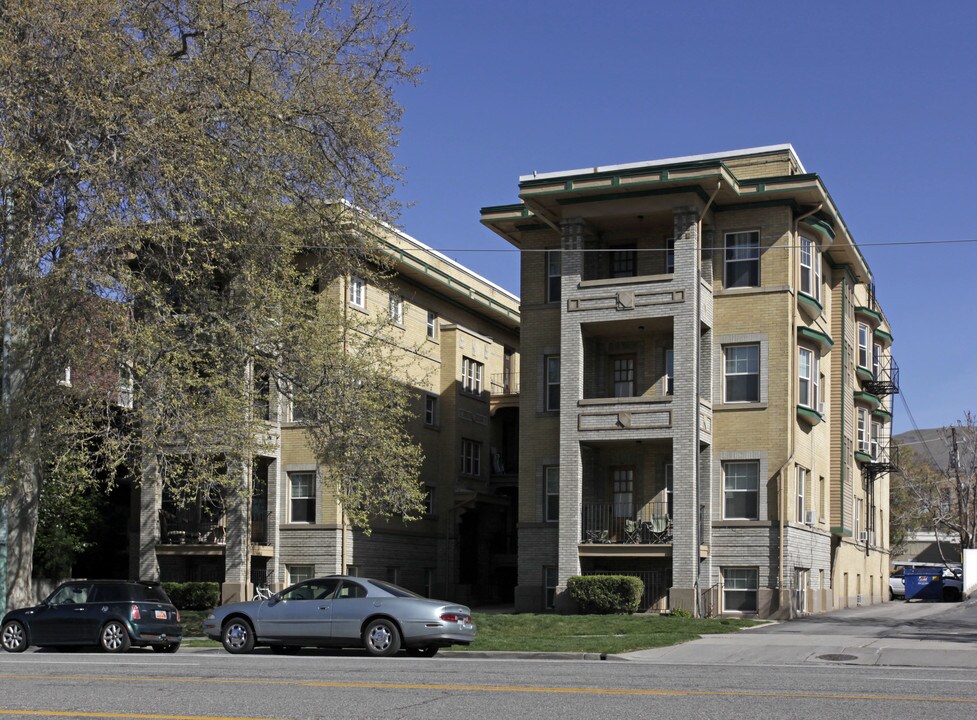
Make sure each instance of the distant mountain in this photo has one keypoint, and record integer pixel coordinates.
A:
(931, 446)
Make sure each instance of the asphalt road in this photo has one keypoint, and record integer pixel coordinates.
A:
(755, 680)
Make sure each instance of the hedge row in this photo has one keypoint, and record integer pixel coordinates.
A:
(606, 594)
(193, 595)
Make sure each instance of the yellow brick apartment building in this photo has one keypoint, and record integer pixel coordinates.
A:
(706, 386)
(457, 335)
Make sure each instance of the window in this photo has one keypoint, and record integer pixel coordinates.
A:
(669, 371)
(552, 381)
(393, 575)
(471, 375)
(741, 488)
(431, 410)
(810, 268)
(876, 360)
(471, 457)
(876, 435)
(552, 504)
(623, 262)
(357, 292)
(862, 444)
(429, 500)
(302, 497)
(742, 373)
(350, 590)
(863, 345)
(801, 488)
(809, 373)
(553, 276)
(740, 589)
(397, 309)
(549, 586)
(299, 573)
(801, 583)
(622, 487)
(821, 496)
(670, 255)
(857, 517)
(743, 259)
(432, 324)
(353, 570)
(622, 375)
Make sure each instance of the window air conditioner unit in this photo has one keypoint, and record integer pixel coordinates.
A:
(809, 517)
(858, 599)
(863, 536)
(821, 408)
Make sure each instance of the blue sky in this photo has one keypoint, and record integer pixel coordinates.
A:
(879, 99)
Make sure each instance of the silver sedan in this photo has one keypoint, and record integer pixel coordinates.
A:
(341, 611)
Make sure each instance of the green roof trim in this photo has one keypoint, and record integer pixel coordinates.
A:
(811, 417)
(863, 456)
(823, 227)
(815, 336)
(869, 313)
(868, 398)
(864, 374)
(883, 335)
(885, 414)
(513, 208)
(843, 532)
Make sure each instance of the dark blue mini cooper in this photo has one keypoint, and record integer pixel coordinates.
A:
(112, 614)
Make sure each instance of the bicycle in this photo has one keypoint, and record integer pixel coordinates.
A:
(261, 592)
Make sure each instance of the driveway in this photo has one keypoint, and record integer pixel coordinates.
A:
(896, 633)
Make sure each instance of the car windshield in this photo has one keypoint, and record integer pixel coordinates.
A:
(149, 593)
(69, 593)
(394, 590)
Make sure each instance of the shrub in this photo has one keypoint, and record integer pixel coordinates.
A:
(680, 613)
(193, 595)
(605, 594)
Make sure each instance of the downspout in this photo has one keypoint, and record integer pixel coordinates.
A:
(697, 606)
(791, 402)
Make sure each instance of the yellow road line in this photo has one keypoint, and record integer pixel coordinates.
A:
(471, 688)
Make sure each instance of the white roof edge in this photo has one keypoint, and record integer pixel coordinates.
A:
(453, 263)
(666, 161)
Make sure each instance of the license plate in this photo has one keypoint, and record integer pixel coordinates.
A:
(160, 614)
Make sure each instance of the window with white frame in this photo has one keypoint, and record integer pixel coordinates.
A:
(801, 493)
(741, 373)
(431, 410)
(357, 292)
(396, 314)
(432, 324)
(801, 583)
(742, 259)
(471, 375)
(740, 586)
(301, 491)
(299, 573)
(670, 255)
(810, 268)
(622, 375)
(549, 586)
(876, 439)
(553, 276)
(551, 476)
(862, 438)
(858, 517)
(741, 489)
(551, 368)
(808, 369)
(863, 345)
(876, 361)
(669, 371)
(471, 457)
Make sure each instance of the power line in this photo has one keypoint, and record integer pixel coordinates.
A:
(918, 433)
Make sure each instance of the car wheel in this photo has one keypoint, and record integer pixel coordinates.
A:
(237, 636)
(13, 637)
(429, 651)
(168, 648)
(114, 637)
(381, 637)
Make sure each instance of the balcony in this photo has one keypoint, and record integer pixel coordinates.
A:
(604, 524)
(504, 384)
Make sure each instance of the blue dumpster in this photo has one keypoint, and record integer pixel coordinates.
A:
(924, 583)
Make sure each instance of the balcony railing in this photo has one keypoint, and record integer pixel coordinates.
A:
(606, 523)
(506, 383)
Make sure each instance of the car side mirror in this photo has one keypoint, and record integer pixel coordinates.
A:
(274, 599)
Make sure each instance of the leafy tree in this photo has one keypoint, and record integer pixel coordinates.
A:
(175, 178)
(942, 499)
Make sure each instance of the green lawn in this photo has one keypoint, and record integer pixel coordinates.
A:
(556, 633)
(592, 633)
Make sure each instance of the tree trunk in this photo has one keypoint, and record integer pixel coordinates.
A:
(22, 500)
